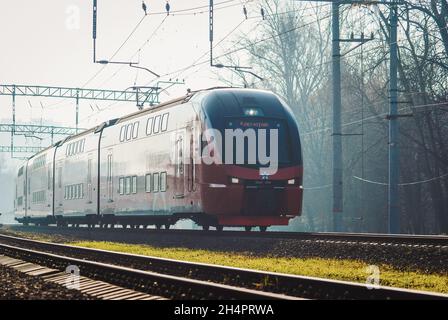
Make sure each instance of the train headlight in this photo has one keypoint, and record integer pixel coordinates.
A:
(253, 112)
(291, 181)
(235, 180)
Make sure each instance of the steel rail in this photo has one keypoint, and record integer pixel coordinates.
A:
(289, 285)
(419, 240)
(144, 281)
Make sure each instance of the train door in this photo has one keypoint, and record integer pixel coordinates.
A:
(191, 168)
(110, 186)
(89, 179)
(25, 191)
(50, 186)
(179, 173)
(59, 190)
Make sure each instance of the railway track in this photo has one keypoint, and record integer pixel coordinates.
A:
(187, 280)
(366, 238)
(116, 279)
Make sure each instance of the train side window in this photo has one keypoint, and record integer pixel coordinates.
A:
(82, 190)
(135, 130)
(128, 185)
(129, 131)
(76, 148)
(83, 142)
(122, 133)
(149, 124)
(121, 186)
(75, 195)
(148, 182)
(134, 184)
(155, 182)
(156, 126)
(65, 193)
(163, 182)
(165, 122)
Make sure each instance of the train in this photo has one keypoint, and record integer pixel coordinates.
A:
(165, 163)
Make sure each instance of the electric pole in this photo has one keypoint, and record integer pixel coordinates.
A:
(337, 134)
(394, 160)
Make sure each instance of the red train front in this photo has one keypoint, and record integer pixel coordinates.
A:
(251, 169)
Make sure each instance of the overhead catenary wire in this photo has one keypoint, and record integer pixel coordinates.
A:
(116, 51)
(197, 63)
(138, 51)
(402, 184)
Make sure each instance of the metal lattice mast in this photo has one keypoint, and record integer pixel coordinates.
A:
(149, 95)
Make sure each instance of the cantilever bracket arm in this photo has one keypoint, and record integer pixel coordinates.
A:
(131, 64)
(239, 68)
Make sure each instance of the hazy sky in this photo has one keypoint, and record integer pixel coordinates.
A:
(49, 42)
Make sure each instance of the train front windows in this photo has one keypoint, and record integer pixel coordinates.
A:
(128, 185)
(149, 125)
(134, 184)
(122, 133)
(148, 182)
(155, 180)
(121, 186)
(163, 182)
(135, 130)
(156, 127)
(165, 122)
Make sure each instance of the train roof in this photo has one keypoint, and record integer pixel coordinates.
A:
(177, 101)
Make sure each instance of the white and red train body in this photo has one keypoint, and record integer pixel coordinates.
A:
(144, 168)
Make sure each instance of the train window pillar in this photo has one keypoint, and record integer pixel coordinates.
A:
(60, 177)
(129, 131)
(121, 186)
(156, 127)
(135, 130)
(149, 125)
(122, 133)
(148, 182)
(165, 122)
(134, 184)
(156, 182)
(163, 182)
(49, 177)
(128, 185)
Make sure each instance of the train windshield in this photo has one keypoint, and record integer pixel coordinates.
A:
(255, 137)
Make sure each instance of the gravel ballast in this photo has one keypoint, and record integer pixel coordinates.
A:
(402, 257)
(15, 285)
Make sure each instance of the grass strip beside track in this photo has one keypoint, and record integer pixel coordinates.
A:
(348, 270)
